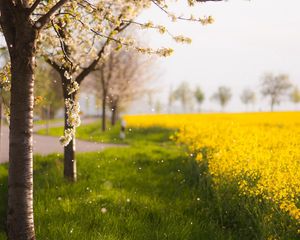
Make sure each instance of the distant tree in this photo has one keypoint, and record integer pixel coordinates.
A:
(199, 96)
(131, 72)
(103, 77)
(158, 106)
(184, 94)
(248, 97)
(295, 95)
(275, 87)
(119, 81)
(222, 96)
(171, 100)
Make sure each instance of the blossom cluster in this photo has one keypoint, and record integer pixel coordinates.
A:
(73, 86)
(5, 76)
(73, 121)
(5, 84)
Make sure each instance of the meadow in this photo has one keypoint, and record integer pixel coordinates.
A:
(147, 190)
(188, 177)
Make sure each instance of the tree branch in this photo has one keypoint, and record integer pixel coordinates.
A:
(166, 11)
(7, 9)
(62, 44)
(42, 21)
(19, 3)
(54, 65)
(93, 64)
(34, 6)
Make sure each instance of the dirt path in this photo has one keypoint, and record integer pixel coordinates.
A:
(45, 144)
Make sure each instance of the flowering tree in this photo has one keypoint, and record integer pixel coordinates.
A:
(74, 48)
(21, 31)
(119, 80)
(22, 23)
(130, 82)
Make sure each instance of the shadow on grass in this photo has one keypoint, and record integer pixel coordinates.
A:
(130, 193)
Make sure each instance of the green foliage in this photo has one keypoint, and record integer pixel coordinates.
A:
(48, 92)
(295, 95)
(199, 95)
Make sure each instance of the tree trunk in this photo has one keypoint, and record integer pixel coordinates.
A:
(0, 120)
(114, 116)
(104, 113)
(272, 105)
(70, 171)
(70, 168)
(20, 222)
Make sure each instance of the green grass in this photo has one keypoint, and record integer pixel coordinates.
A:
(92, 132)
(43, 122)
(149, 193)
(150, 190)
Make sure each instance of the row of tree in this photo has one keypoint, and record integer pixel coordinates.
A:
(115, 84)
(273, 87)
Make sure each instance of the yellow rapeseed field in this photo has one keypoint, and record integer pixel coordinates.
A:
(258, 152)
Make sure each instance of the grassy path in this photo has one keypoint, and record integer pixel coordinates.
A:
(92, 132)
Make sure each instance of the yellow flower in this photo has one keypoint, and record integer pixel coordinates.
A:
(258, 152)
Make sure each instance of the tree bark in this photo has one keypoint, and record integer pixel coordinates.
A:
(70, 165)
(104, 113)
(0, 120)
(272, 105)
(20, 221)
(70, 170)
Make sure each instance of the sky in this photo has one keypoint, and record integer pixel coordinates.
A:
(247, 39)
